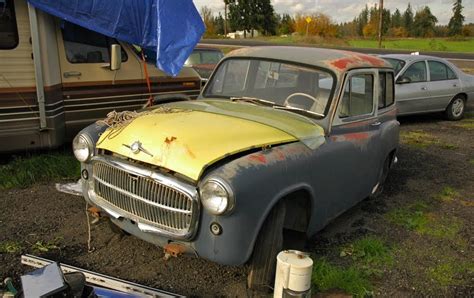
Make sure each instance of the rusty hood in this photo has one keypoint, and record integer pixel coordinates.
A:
(187, 137)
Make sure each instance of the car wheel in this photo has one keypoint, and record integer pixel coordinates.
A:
(269, 243)
(382, 178)
(455, 109)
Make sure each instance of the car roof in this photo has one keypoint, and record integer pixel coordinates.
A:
(337, 60)
(409, 57)
(207, 48)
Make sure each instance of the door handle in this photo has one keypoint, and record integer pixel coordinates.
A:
(376, 123)
(423, 88)
(69, 74)
(455, 85)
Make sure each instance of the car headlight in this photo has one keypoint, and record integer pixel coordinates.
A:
(82, 148)
(216, 197)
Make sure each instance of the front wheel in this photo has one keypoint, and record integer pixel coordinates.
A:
(269, 243)
(455, 109)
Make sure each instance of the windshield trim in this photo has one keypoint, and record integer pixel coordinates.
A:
(400, 61)
(205, 91)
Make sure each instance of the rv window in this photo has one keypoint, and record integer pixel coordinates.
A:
(8, 28)
(86, 46)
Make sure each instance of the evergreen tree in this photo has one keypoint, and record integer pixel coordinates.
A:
(408, 19)
(219, 24)
(396, 19)
(285, 25)
(363, 20)
(457, 20)
(424, 23)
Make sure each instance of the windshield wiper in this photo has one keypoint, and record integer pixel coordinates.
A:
(299, 111)
(253, 100)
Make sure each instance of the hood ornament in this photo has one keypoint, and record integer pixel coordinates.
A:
(136, 147)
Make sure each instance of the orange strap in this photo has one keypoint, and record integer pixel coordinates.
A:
(147, 78)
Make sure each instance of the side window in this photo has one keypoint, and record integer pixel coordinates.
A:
(451, 74)
(386, 94)
(8, 27)
(416, 72)
(358, 97)
(438, 71)
(86, 46)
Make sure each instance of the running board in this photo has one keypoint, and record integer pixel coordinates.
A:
(100, 279)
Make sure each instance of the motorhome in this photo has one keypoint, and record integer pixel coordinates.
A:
(57, 77)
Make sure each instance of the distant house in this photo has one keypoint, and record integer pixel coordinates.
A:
(242, 34)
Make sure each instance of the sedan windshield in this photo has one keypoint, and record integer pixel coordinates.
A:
(397, 64)
(282, 84)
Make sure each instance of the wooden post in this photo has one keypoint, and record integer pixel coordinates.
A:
(380, 22)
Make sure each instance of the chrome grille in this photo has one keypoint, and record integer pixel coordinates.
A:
(146, 197)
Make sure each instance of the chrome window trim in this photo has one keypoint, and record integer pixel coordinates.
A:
(188, 190)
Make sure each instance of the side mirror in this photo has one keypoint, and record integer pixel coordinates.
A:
(115, 57)
(403, 80)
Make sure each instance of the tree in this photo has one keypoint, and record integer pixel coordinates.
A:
(362, 20)
(408, 19)
(396, 19)
(219, 24)
(252, 14)
(206, 14)
(424, 23)
(286, 25)
(457, 20)
(265, 17)
(320, 25)
(239, 12)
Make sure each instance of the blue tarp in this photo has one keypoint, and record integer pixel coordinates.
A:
(171, 28)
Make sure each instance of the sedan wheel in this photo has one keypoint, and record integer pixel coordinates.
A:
(455, 110)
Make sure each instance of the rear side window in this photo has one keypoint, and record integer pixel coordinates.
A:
(8, 27)
(358, 96)
(86, 46)
(440, 71)
(386, 92)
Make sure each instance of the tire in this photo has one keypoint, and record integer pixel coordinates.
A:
(269, 243)
(455, 109)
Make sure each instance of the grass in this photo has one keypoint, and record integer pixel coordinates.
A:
(25, 171)
(416, 217)
(446, 273)
(351, 280)
(419, 44)
(10, 247)
(467, 123)
(421, 139)
(369, 250)
(448, 194)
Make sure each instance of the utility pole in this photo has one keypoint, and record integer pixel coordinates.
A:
(225, 18)
(380, 22)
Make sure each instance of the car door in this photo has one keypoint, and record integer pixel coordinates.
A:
(355, 137)
(443, 85)
(412, 89)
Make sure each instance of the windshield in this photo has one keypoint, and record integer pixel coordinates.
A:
(284, 84)
(397, 64)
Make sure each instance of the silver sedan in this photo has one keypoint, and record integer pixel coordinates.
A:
(426, 84)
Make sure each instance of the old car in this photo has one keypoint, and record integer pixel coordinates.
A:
(280, 141)
(426, 84)
(204, 59)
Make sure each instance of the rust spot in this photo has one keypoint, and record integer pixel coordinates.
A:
(94, 211)
(280, 155)
(173, 250)
(169, 140)
(259, 158)
(342, 63)
(371, 59)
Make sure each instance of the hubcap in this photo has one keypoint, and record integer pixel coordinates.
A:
(458, 107)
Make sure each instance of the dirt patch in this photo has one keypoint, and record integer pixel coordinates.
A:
(431, 244)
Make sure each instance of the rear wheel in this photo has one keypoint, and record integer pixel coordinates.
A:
(455, 110)
(269, 243)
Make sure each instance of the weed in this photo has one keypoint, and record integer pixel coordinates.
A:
(10, 247)
(449, 146)
(351, 280)
(418, 138)
(471, 161)
(448, 194)
(369, 249)
(23, 172)
(45, 246)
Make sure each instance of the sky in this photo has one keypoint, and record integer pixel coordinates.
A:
(346, 10)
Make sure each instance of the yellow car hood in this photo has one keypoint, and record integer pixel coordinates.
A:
(186, 137)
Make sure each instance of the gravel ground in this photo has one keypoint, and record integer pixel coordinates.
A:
(53, 225)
